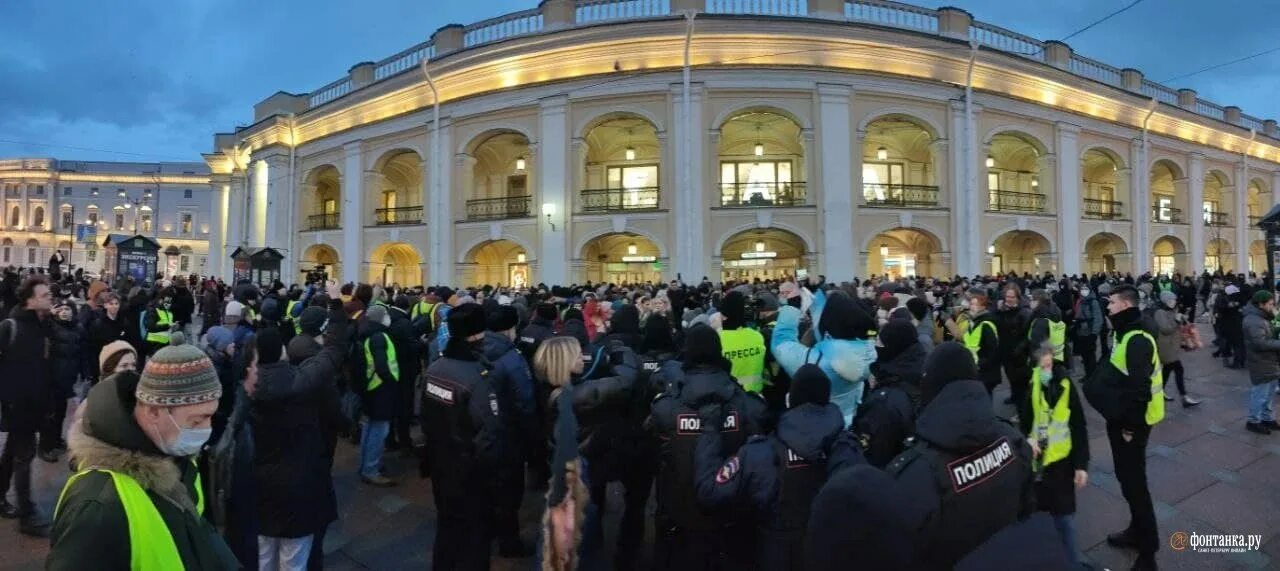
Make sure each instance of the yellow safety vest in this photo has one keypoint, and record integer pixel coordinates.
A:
(371, 372)
(424, 308)
(1057, 338)
(973, 337)
(151, 545)
(163, 317)
(744, 348)
(1119, 359)
(288, 315)
(1051, 425)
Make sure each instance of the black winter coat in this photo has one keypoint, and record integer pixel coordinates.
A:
(379, 403)
(610, 436)
(26, 371)
(103, 330)
(887, 416)
(1121, 398)
(69, 356)
(184, 304)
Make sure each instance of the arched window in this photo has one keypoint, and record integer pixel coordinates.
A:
(15, 217)
(32, 246)
(37, 218)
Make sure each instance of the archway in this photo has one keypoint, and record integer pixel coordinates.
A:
(763, 253)
(622, 258)
(1014, 181)
(33, 252)
(1168, 193)
(1106, 252)
(1168, 256)
(621, 164)
(762, 160)
(1218, 255)
(15, 217)
(319, 262)
(898, 168)
(397, 193)
(1020, 251)
(1102, 189)
(1257, 256)
(904, 252)
(496, 180)
(496, 262)
(37, 218)
(395, 263)
(1217, 205)
(321, 198)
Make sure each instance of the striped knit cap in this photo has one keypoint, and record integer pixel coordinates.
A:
(178, 376)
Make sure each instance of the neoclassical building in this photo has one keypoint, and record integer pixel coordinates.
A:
(45, 199)
(627, 140)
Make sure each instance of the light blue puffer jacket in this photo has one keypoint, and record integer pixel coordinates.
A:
(847, 362)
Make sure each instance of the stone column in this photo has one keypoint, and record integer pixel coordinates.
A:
(1067, 192)
(689, 207)
(1275, 191)
(259, 193)
(1140, 206)
(280, 201)
(1194, 214)
(1241, 206)
(373, 184)
(553, 171)
(440, 209)
(218, 226)
(965, 261)
(813, 177)
(24, 215)
(838, 164)
(237, 213)
(939, 150)
(353, 261)
(581, 176)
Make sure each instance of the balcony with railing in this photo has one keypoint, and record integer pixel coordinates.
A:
(1008, 201)
(1102, 209)
(762, 194)
(900, 195)
(323, 221)
(397, 216)
(618, 199)
(1216, 219)
(1166, 214)
(498, 208)
(1254, 219)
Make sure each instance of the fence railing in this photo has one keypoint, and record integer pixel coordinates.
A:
(613, 199)
(590, 11)
(502, 27)
(1159, 92)
(408, 59)
(885, 13)
(398, 215)
(1216, 219)
(1166, 215)
(1009, 201)
(330, 92)
(759, 7)
(1104, 209)
(1096, 70)
(900, 195)
(323, 221)
(1210, 109)
(1251, 122)
(1004, 40)
(761, 194)
(498, 208)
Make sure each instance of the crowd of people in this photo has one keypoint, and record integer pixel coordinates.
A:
(779, 424)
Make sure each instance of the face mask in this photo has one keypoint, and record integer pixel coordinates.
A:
(188, 442)
(1045, 376)
(1084, 291)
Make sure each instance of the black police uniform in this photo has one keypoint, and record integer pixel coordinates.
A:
(688, 536)
(462, 423)
(971, 470)
(887, 416)
(774, 477)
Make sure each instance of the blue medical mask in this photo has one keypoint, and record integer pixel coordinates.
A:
(1044, 376)
(188, 442)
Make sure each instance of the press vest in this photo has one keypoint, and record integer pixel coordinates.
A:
(163, 317)
(1049, 427)
(973, 337)
(744, 348)
(1119, 359)
(1057, 338)
(288, 314)
(371, 372)
(151, 545)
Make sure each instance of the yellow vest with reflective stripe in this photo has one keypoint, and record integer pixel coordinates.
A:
(163, 317)
(1057, 338)
(288, 314)
(151, 545)
(973, 337)
(1119, 359)
(427, 309)
(744, 348)
(1051, 426)
(371, 372)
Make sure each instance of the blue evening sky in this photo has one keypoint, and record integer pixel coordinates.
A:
(153, 80)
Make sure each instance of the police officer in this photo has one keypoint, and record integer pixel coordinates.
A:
(887, 416)
(540, 328)
(971, 470)
(981, 337)
(513, 382)
(1127, 390)
(462, 423)
(688, 536)
(1047, 326)
(743, 346)
(775, 478)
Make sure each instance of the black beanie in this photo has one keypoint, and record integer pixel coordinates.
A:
(896, 336)
(843, 319)
(466, 320)
(503, 317)
(312, 319)
(809, 385)
(733, 307)
(270, 345)
(702, 347)
(919, 308)
(625, 320)
(657, 334)
(545, 311)
(947, 362)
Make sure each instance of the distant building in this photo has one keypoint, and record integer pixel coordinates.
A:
(46, 199)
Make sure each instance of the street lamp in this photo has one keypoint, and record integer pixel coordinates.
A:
(549, 209)
(884, 250)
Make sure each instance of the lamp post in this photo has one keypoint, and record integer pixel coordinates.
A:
(136, 204)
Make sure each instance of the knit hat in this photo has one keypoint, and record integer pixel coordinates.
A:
(702, 347)
(896, 336)
(111, 354)
(1169, 298)
(502, 318)
(733, 307)
(766, 301)
(625, 319)
(312, 320)
(545, 311)
(219, 337)
(234, 309)
(657, 334)
(947, 362)
(1260, 297)
(466, 320)
(179, 376)
(809, 385)
(270, 345)
(918, 308)
(843, 319)
(376, 313)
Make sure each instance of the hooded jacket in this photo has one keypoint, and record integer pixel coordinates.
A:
(888, 415)
(1262, 349)
(1118, 397)
(90, 530)
(842, 349)
(510, 376)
